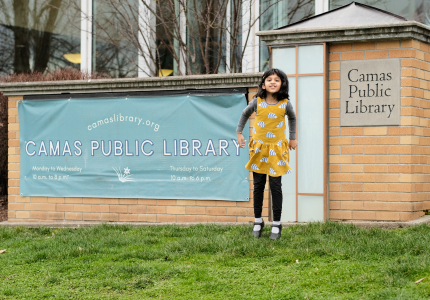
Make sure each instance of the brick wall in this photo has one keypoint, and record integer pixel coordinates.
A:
(382, 173)
(51, 209)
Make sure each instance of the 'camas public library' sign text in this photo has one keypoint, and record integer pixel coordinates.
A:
(370, 92)
(179, 146)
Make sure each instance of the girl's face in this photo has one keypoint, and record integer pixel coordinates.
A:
(272, 84)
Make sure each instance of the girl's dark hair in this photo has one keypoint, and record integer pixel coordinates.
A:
(283, 92)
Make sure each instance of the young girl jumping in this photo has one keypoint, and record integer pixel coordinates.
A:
(268, 147)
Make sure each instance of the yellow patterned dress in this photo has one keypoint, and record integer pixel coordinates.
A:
(268, 147)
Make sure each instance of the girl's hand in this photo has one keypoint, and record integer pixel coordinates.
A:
(241, 140)
(292, 145)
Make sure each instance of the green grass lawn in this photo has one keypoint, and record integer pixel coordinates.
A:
(315, 261)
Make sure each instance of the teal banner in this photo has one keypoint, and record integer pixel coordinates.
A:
(156, 147)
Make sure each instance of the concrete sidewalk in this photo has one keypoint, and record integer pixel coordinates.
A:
(364, 224)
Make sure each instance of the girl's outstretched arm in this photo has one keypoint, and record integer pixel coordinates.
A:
(292, 122)
(246, 113)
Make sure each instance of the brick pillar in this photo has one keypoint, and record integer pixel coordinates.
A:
(382, 173)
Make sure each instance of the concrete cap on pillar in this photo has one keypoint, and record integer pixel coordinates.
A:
(353, 14)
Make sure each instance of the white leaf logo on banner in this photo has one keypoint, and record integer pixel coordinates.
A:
(123, 177)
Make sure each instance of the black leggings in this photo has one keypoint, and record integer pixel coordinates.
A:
(275, 188)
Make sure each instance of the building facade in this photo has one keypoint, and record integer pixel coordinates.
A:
(355, 162)
(134, 38)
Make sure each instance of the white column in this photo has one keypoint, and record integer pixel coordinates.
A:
(321, 6)
(326, 5)
(86, 35)
(227, 38)
(248, 60)
(183, 35)
(147, 39)
(256, 38)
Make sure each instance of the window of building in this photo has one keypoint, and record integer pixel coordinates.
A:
(41, 35)
(37, 35)
(234, 38)
(205, 22)
(167, 47)
(275, 14)
(115, 34)
(305, 197)
(410, 9)
(122, 30)
(211, 31)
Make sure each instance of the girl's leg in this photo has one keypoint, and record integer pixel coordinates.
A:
(276, 189)
(259, 184)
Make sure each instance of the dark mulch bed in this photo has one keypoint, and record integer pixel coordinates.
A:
(3, 208)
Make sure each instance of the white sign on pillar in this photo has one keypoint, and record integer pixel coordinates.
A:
(370, 92)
